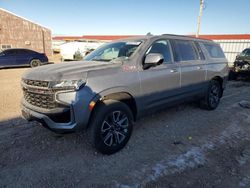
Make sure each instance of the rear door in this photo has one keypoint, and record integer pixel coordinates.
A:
(23, 57)
(193, 66)
(8, 58)
(161, 83)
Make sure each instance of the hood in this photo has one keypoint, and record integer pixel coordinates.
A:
(67, 70)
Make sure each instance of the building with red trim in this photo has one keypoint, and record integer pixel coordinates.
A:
(116, 37)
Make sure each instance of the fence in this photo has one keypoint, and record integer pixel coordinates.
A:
(232, 48)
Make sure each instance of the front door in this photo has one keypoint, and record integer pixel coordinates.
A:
(160, 83)
(7, 58)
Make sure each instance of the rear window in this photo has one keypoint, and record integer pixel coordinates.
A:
(214, 51)
(185, 50)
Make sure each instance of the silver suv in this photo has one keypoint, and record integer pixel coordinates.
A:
(121, 81)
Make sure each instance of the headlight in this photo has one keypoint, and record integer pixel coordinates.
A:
(68, 84)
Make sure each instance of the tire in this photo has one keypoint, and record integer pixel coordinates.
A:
(110, 127)
(212, 97)
(35, 63)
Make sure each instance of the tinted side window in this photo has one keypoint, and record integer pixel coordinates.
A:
(214, 50)
(200, 52)
(20, 52)
(162, 47)
(24, 52)
(185, 50)
(10, 52)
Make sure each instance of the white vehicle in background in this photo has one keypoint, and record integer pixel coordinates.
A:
(68, 50)
(56, 45)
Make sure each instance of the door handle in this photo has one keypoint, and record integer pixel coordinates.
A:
(173, 70)
(199, 68)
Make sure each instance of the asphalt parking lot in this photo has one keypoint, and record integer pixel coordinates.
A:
(183, 146)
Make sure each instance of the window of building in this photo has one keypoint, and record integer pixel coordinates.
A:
(214, 50)
(185, 50)
(5, 46)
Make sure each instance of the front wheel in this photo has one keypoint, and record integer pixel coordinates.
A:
(111, 126)
(213, 95)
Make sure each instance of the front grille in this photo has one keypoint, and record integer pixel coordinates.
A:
(37, 83)
(42, 100)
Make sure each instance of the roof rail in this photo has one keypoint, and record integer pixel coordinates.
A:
(187, 36)
(178, 35)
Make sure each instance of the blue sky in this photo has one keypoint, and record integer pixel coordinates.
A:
(107, 17)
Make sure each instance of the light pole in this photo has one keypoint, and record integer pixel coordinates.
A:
(199, 17)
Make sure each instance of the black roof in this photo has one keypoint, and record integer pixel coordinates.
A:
(18, 49)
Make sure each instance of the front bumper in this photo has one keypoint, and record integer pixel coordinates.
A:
(32, 115)
(71, 118)
(241, 67)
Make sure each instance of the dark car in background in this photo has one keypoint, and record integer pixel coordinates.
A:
(241, 64)
(16, 57)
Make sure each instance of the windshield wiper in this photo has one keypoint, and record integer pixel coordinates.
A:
(101, 60)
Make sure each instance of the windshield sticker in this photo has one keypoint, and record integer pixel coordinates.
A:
(127, 68)
(133, 43)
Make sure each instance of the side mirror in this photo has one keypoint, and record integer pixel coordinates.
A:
(153, 59)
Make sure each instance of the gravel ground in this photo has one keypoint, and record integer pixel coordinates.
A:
(182, 146)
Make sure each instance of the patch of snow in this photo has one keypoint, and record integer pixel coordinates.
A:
(191, 159)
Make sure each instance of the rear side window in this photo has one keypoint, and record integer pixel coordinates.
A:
(214, 50)
(185, 50)
(21, 52)
(25, 51)
(198, 47)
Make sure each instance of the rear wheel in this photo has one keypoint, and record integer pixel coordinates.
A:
(213, 95)
(35, 63)
(111, 126)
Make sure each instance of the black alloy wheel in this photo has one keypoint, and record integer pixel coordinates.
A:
(111, 126)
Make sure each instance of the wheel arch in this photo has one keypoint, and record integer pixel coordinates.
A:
(119, 95)
(221, 81)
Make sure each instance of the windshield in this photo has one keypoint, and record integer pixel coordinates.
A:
(1, 53)
(113, 50)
